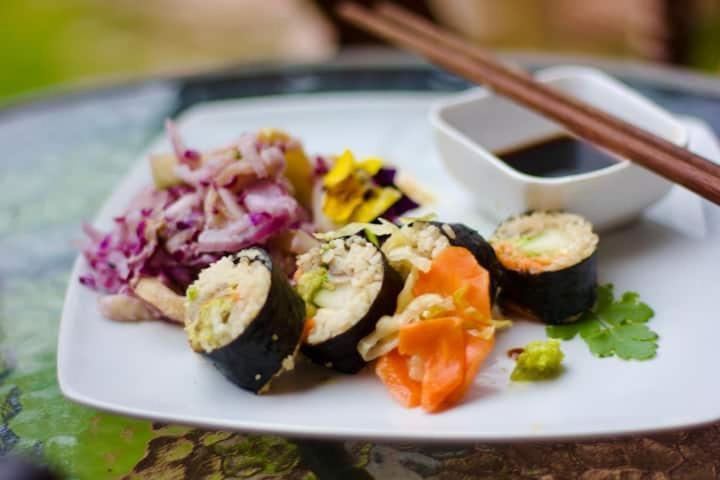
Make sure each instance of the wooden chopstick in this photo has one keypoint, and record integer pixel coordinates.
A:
(668, 160)
(451, 40)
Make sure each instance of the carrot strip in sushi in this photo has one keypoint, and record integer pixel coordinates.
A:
(392, 368)
(454, 270)
(440, 343)
(309, 325)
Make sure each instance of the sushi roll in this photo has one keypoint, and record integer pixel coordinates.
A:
(421, 241)
(245, 317)
(348, 285)
(550, 265)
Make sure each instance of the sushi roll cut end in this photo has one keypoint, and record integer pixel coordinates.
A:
(349, 286)
(550, 265)
(544, 242)
(226, 297)
(245, 317)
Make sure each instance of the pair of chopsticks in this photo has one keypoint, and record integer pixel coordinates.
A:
(444, 48)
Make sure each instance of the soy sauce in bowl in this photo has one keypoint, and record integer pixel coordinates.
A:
(556, 156)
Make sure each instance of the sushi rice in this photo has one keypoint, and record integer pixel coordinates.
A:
(354, 278)
(225, 298)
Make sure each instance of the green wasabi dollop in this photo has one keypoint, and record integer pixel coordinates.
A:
(540, 360)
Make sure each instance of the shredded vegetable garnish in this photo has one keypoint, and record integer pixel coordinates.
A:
(203, 206)
(379, 229)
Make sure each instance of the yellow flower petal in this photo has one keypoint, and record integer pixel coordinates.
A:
(371, 165)
(376, 205)
(339, 208)
(341, 169)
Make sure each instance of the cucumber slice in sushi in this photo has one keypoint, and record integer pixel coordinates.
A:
(245, 317)
(550, 265)
(349, 285)
(419, 242)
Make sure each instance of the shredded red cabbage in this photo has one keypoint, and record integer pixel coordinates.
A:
(229, 199)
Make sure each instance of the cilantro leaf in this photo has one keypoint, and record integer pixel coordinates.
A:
(562, 332)
(601, 344)
(628, 310)
(613, 327)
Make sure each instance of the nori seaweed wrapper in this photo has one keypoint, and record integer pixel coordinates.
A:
(256, 356)
(481, 249)
(555, 297)
(340, 352)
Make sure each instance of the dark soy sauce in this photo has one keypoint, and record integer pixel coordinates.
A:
(556, 157)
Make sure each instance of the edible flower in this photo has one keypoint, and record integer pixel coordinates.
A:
(360, 191)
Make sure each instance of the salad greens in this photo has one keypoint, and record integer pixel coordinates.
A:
(613, 327)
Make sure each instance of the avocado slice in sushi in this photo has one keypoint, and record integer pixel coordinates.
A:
(245, 317)
(550, 265)
(421, 241)
(348, 285)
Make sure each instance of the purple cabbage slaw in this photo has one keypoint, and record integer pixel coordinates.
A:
(221, 205)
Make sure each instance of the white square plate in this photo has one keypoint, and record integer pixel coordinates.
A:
(670, 257)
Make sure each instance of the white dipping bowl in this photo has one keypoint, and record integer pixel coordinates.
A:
(469, 127)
